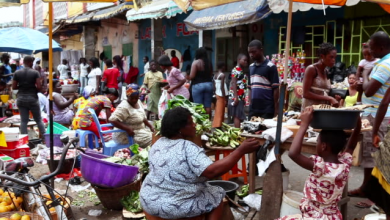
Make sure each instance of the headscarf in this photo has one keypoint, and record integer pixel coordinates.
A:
(87, 91)
(35, 62)
(132, 89)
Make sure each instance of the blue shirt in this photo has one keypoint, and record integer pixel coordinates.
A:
(264, 78)
(7, 70)
(381, 73)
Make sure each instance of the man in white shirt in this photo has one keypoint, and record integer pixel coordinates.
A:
(146, 66)
(63, 69)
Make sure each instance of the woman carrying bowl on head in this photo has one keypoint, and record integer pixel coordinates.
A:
(130, 116)
(175, 79)
(316, 84)
(176, 186)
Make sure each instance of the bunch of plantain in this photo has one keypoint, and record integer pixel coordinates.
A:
(226, 136)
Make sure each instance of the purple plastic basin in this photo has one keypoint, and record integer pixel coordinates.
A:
(106, 174)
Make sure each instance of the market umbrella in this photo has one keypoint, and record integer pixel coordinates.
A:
(25, 41)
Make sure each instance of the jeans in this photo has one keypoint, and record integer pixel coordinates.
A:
(25, 105)
(83, 81)
(202, 93)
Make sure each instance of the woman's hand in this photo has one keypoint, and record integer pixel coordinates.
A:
(307, 116)
(235, 103)
(130, 132)
(170, 90)
(166, 87)
(249, 145)
(333, 102)
(376, 140)
(337, 97)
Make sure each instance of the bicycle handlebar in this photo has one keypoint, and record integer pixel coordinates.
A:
(45, 177)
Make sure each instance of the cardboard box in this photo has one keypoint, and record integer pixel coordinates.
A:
(11, 134)
(22, 151)
(23, 140)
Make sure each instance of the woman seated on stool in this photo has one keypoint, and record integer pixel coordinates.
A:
(61, 112)
(176, 186)
(130, 116)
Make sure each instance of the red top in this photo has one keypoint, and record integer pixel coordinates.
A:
(132, 75)
(175, 62)
(111, 77)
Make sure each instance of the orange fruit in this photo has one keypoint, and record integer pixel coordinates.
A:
(25, 217)
(11, 207)
(20, 199)
(1, 191)
(15, 216)
(3, 209)
(3, 204)
(7, 200)
(4, 218)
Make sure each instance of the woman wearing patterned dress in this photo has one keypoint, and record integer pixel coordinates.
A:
(330, 168)
(176, 186)
(130, 116)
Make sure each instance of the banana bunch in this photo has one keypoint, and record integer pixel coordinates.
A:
(226, 136)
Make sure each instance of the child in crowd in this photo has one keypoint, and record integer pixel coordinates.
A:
(220, 93)
(238, 85)
(330, 168)
(365, 64)
(151, 81)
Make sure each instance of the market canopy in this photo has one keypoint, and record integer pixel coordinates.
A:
(10, 3)
(81, 18)
(278, 6)
(154, 10)
(112, 11)
(201, 4)
(25, 41)
(228, 15)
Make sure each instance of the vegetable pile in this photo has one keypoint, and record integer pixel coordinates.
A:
(199, 115)
(227, 136)
(131, 202)
(139, 159)
(245, 191)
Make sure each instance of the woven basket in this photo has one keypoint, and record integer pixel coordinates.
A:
(111, 198)
(33, 216)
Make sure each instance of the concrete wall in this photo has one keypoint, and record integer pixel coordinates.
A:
(118, 32)
(72, 43)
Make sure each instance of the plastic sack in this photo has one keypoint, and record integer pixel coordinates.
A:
(270, 134)
(163, 103)
(253, 200)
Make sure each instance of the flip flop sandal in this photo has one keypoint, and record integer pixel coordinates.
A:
(363, 205)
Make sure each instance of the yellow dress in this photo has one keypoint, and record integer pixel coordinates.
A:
(351, 100)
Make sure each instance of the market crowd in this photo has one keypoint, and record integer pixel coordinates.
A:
(117, 98)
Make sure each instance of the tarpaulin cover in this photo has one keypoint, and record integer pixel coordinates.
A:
(325, 2)
(228, 15)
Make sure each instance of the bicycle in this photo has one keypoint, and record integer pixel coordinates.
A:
(16, 176)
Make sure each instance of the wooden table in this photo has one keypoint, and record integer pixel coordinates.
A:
(307, 147)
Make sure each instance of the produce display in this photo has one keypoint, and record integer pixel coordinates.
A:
(355, 107)
(9, 201)
(245, 191)
(132, 202)
(70, 154)
(139, 159)
(17, 216)
(226, 136)
(69, 82)
(199, 115)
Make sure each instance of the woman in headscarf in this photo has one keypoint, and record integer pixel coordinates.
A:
(130, 116)
(80, 103)
(61, 106)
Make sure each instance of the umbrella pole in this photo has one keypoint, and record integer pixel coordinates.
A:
(51, 90)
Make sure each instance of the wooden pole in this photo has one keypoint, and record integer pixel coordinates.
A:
(288, 41)
(51, 89)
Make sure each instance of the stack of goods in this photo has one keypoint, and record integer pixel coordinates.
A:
(227, 136)
(16, 144)
(199, 115)
(296, 65)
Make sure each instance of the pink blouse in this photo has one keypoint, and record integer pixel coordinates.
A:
(174, 78)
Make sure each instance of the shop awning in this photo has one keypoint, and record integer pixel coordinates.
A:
(112, 11)
(174, 9)
(201, 4)
(154, 10)
(228, 15)
(81, 18)
(9, 3)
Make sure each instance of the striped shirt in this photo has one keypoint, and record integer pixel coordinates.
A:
(264, 78)
(381, 73)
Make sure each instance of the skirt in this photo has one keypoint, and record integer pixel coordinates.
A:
(237, 111)
(219, 115)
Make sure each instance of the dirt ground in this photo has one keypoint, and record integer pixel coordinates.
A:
(85, 201)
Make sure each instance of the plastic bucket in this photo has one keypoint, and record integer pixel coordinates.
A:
(66, 167)
(229, 187)
(290, 203)
(106, 174)
(286, 179)
(4, 98)
(56, 140)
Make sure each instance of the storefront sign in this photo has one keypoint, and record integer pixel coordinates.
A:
(181, 30)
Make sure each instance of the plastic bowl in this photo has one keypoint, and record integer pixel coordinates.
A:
(330, 119)
(229, 187)
(341, 92)
(106, 174)
(71, 88)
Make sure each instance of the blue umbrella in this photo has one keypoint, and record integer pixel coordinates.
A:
(25, 41)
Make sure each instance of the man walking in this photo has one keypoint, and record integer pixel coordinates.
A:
(28, 82)
(264, 83)
(374, 87)
(5, 68)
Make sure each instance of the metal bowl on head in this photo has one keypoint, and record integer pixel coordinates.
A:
(332, 119)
